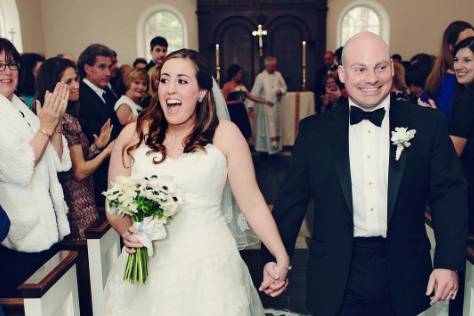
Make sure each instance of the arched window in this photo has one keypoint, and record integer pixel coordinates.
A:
(363, 15)
(10, 23)
(161, 20)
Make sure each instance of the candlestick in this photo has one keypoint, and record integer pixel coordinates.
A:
(218, 67)
(303, 66)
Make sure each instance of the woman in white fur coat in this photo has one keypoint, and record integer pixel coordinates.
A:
(32, 152)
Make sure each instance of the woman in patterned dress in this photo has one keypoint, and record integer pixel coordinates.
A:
(78, 184)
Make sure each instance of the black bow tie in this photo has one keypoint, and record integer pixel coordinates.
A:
(376, 117)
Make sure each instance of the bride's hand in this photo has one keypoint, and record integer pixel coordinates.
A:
(130, 240)
(275, 279)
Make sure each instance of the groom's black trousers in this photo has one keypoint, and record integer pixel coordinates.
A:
(367, 291)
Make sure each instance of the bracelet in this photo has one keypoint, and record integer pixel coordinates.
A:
(44, 132)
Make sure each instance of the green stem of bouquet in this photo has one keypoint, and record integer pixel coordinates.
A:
(136, 269)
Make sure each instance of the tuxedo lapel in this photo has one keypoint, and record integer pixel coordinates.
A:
(399, 117)
(340, 148)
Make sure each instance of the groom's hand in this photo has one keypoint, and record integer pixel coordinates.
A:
(444, 284)
(275, 279)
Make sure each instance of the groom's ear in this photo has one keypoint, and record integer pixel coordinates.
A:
(341, 73)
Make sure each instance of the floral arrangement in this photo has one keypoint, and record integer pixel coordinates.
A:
(151, 202)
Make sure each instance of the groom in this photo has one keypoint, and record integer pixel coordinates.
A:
(369, 253)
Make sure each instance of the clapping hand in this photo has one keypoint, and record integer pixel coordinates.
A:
(104, 137)
(53, 109)
(275, 279)
(443, 284)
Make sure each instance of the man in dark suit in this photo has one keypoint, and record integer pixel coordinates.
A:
(97, 103)
(158, 51)
(369, 253)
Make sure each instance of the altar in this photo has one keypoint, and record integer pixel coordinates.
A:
(294, 107)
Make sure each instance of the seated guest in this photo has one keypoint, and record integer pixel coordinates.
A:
(30, 64)
(235, 92)
(333, 95)
(97, 104)
(128, 106)
(78, 184)
(139, 63)
(32, 151)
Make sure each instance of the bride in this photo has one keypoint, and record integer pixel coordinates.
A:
(197, 269)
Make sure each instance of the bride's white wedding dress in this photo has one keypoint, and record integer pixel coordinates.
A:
(197, 270)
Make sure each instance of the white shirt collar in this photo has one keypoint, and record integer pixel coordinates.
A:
(384, 104)
(99, 91)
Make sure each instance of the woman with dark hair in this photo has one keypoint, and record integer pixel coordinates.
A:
(30, 64)
(32, 151)
(235, 92)
(78, 184)
(440, 85)
(462, 123)
(181, 136)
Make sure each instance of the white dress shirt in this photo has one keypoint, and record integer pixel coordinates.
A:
(99, 91)
(369, 149)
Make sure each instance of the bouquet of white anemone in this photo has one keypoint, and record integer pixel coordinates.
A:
(151, 202)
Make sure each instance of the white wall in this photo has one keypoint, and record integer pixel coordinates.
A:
(53, 26)
(415, 25)
(68, 26)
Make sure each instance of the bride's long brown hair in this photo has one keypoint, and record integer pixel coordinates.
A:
(153, 119)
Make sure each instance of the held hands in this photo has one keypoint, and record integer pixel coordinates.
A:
(443, 284)
(269, 103)
(53, 109)
(130, 240)
(275, 279)
(104, 137)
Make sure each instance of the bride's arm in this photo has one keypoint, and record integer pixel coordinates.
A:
(119, 165)
(246, 191)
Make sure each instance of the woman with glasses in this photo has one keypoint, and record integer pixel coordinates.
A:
(32, 152)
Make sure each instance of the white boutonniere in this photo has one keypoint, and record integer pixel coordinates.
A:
(401, 137)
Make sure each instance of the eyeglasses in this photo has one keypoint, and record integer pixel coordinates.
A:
(11, 66)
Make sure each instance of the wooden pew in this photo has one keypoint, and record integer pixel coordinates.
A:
(50, 291)
(103, 246)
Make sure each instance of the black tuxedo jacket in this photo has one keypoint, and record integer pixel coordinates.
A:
(427, 172)
(93, 114)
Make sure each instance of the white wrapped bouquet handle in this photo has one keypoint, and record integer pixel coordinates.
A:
(150, 229)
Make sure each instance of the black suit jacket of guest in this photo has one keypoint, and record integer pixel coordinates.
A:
(427, 172)
(93, 114)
